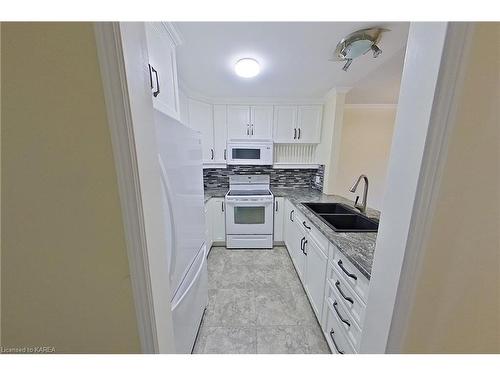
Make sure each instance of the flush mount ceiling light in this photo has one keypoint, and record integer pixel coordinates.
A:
(358, 43)
(247, 68)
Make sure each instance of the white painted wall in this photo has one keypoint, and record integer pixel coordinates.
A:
(364, 149)
(418, 85)
(460, 270)
(328, 151)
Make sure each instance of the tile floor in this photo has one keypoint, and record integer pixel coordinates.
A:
(257, 305)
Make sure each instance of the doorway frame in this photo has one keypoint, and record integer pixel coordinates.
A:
(424, 121)
(395, 268)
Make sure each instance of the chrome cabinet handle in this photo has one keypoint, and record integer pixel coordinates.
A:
(212, 151)
(337, 285)
(304, 247)
(150, 76)
(304, 224)
(334, 343)
(291, 213)
(225, 154)
(222, 206)
(346, 321)
(248, 129)
(276, 204)
(351, 275)
(295, 133)
(299, 134)
(302, 244)
(252, 129)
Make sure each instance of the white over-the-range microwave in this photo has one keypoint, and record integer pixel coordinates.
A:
(250, 153)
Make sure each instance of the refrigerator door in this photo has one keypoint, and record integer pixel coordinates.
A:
(180, 158)
(189, 304)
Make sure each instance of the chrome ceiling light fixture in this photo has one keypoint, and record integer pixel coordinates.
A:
(358, 43)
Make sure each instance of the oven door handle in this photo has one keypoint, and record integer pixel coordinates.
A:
(248, 203)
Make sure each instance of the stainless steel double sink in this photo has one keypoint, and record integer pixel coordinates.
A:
(342, 218)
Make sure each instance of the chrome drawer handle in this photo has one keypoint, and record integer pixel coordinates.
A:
(291, 215)
(334, 343)
(337, 285)
(340, 316)
(351, 275)
(304, 224)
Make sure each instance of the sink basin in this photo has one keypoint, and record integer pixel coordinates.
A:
(342, 218)
(350, 223)
(329, 208)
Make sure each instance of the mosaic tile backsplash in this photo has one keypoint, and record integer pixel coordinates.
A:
(219, 178)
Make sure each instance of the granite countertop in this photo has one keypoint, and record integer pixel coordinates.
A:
(215, 193)
(357, 247)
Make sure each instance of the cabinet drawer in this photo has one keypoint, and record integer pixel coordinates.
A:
(351, 300)
(313, 232)
(337, 340)
(351, 275)
(349, 326)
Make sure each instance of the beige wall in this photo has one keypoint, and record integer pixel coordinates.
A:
(65, 275)
(364, 149)
(457, 304)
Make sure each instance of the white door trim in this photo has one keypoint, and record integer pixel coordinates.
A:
(443, 117)
(438, 52)
(141, 236)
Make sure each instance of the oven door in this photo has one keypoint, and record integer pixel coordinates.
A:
(247, 216)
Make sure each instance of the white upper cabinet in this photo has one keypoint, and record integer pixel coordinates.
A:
(249, 122)
(238, 122)
(297, 124)
(309, 123)
(201, 119)
(220, 133)
(261, 122)
(285, 123)
(162, 69)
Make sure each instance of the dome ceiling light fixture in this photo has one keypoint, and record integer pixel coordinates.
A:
(247, 67)
(358, 43)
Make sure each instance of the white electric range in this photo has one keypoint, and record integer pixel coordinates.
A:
(249, 212)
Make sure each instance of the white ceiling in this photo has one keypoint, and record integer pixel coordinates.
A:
(293, 57)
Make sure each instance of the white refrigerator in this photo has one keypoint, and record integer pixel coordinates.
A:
(180, 159)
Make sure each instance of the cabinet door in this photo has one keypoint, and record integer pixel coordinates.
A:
(299, 257)
(288, 226)
(238, 122)
(309, 119)
(261, 122)
(163, 69)
(220, 133)
(285, 124)
(316, 264)
(208, 225)
(201, 119)
(279, 209)
(218, 220)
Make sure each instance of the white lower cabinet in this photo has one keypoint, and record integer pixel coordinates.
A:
(316, 264)
(208, 227)
(218, 220)
(215, 218)
(279, 210)
(336, 290)
(308, 256)
(334, 333)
